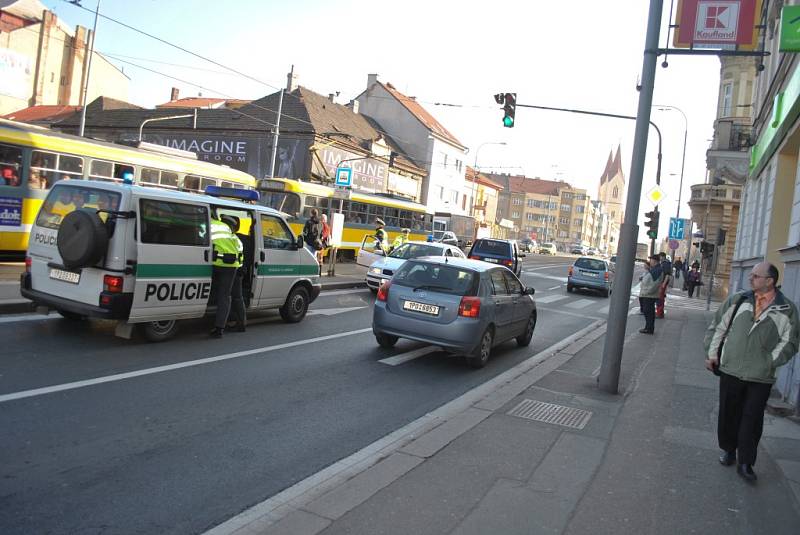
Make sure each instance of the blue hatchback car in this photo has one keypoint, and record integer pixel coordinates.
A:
(591, 273)
(464, 306)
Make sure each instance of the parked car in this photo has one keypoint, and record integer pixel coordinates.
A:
(445, 236)
(502, 252)
(592, 274)
(464, 306)
(383, 269)
(529, 246)
(548, 248)
(591, 251)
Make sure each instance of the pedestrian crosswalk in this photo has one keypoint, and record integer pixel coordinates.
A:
(592, 306)
(682, 301)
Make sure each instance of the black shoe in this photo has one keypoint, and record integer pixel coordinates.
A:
(746, 471)
(727, 458)
(645, 331)
(216, 333)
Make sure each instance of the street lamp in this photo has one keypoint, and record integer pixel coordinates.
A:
(683, 158)
(475, 174)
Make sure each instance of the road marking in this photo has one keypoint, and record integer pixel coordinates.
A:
(170, 367)
(554, 288)
(344, 292)
(332, 311)
(550, 298)
(411, 355)
(549, 266)
(29, 317)
(604, 310)
(551, 277)
(580, 303)
(584, 315)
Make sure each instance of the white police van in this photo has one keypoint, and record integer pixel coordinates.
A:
(143, 256)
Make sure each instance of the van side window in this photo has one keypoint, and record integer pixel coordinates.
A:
(275, 233)
(172, 223)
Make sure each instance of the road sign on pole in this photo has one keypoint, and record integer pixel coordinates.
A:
(677, 227)
(344, 176)
(656, 195)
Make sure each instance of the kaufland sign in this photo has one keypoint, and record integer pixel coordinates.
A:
(717, 24)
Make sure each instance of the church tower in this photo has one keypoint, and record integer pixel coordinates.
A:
(612, 189)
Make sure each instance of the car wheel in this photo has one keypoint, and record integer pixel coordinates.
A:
(480, 355)
(159, 331)
(570, 288)
(72, 316)
(296, 306)
(385, 340)
(525, 338)
(606, 293)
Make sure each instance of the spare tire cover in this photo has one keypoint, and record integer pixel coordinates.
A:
(82, 239)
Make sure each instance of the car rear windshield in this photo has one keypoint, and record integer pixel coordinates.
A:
(590, 263)
(437, 277)
(492, 247)
(415, 250)
(62, 200)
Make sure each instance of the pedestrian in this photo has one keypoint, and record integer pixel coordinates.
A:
(312, 232)
(400, 239)
(326, 238)
(649, 290)
(381, 239)
(752, 334)
(693, 280)
(666, 270)
(226, 279)
(679, 272)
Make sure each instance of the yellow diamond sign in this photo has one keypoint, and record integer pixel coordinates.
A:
(656, 195)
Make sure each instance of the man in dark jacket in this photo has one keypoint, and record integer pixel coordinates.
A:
(666, 282)
(762, 335)
(312, 232)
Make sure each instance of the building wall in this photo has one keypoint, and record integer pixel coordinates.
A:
(538, 218)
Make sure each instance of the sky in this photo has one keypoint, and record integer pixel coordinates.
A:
(453, 56)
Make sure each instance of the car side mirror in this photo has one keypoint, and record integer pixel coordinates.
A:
(530, 290)
(299, 243)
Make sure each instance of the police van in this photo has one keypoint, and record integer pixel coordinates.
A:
(143, 256)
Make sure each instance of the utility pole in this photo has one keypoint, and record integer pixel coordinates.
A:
(608, 379)
(275, 135)
(88, 69)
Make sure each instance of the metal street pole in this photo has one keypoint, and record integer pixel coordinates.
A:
(608, 379)
(683, 158)
(475, 174)
(275, 137)
(88, 71)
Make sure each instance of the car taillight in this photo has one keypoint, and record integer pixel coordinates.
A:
(473, 257)
(27, 264)
(383, 291)
(605, 275)
(470, 307)
(112, 284)
(569, 271)
(509, 263)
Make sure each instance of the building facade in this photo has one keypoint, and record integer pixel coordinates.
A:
(611, 192)
(43, 61)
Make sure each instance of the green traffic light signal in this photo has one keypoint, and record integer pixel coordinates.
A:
(652, 234)
(508, 122)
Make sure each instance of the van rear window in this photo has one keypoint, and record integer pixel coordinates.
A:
(62, 200)
(590, 263)
(492, 247)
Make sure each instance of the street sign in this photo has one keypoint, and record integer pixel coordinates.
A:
(673, 244)
(676, 228)
(790, 29)
(656, 195)
(344, 176)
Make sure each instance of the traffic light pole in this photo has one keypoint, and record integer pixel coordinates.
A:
(608, 379)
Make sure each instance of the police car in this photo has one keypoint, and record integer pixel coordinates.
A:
(143, 256)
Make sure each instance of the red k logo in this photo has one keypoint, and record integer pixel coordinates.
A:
(717, 20)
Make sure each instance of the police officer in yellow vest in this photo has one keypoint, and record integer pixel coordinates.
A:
(226, 279)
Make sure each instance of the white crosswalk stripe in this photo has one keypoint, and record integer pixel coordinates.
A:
(680, 301)
(605, 309)
(550, 298)
(581, 303)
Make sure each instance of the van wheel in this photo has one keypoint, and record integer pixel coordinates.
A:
(525, 338)
(480, 355)
(159, 331)
(385, 340)
(296, 305)
(82, 239)
(72, 316)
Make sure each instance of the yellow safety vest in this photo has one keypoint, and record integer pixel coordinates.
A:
(228, 249)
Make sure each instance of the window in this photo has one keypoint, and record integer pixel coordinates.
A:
(615, 192)
(513, 284)
(580, 209)
(62, 200)
(577, 222)
(727, 100)
(566, 195)
(100, 170)
(529, 203)
(148, 176)
(275, 234)
(440, 192)
(284, 202)
(537, 203)
(448, 279)
(516, 201)
(563, 220)
(498, 282)
(514, 215)
(47, 168)
(563, 234)
(171, 223)
(454, 197)
(530, 216)
(192, 183)
(10, 165)
(580, 196)
(566, 208)
(121, 170)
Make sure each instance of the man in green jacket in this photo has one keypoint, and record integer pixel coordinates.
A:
(649, 292)
(761, 337)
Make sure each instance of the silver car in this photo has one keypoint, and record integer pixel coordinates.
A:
(464, 306)
(383, 269)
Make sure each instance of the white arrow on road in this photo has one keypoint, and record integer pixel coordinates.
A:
(331, 311)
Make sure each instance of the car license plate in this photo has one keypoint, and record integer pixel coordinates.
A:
(492, 260)
(590, 274)
(66, 276)
(433, 310)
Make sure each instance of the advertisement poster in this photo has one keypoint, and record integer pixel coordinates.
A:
(10, 212)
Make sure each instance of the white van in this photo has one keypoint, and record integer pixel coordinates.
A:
(142, 256)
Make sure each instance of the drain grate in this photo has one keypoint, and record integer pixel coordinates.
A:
(551, 414)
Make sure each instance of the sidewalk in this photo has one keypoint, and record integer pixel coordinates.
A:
(348, 275)
(643, 461)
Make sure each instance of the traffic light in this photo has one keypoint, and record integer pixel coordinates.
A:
(652, 224)
(706, 249)
(509, 102)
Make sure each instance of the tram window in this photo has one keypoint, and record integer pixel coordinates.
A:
(392, 217)
(207, 182)
(169, 179)
(100, 170)
(226, 184)
(310, 200)
(70, 164)
(323, 204)
(43, 170)
(191, 182)
(148, 176)
(10, 162)
(406, 219)
(120, 170)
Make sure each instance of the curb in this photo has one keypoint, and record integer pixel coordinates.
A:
(315, 502)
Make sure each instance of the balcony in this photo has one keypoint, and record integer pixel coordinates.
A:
(728, 157)
(723, 193)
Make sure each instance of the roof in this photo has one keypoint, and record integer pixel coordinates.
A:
(26, 9)
(42, 114)
(613, 167)
(481, 179)
(421, 114)
(524, 184)
(193, 102)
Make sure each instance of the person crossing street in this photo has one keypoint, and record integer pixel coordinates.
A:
(226, 278)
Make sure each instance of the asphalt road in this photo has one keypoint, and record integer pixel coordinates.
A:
(103, 435)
